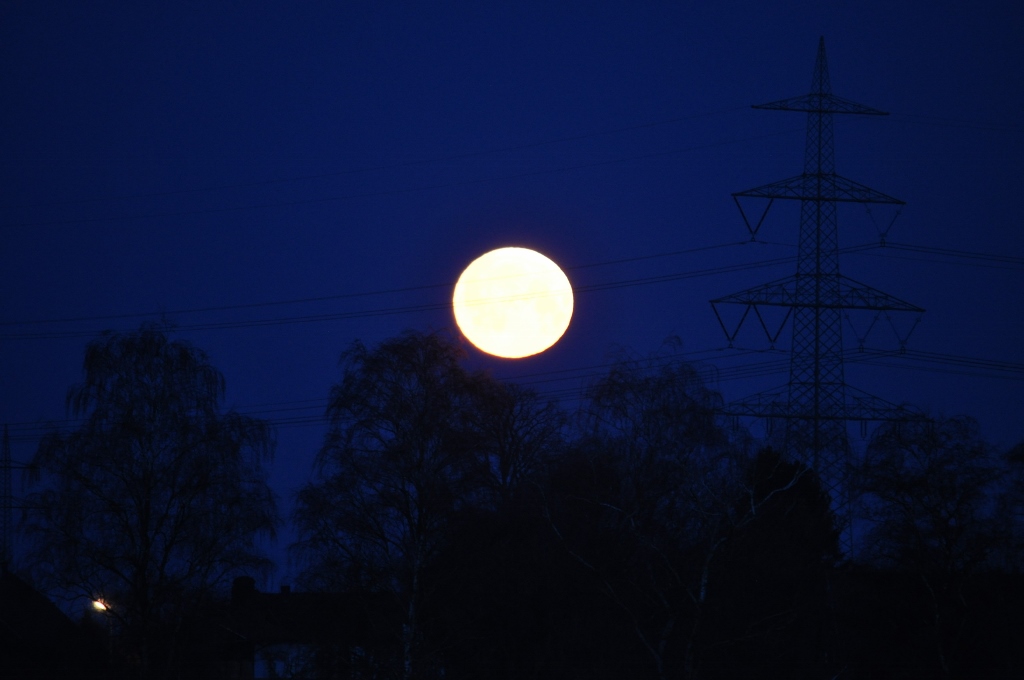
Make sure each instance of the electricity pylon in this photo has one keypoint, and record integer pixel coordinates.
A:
(817, 403)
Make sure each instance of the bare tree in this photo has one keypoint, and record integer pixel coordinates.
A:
(929, 490)
(685, 508)
(520, 436)
(929, 487)
(155, 501)
(403, 453)
(656, 422)
(1011, 511)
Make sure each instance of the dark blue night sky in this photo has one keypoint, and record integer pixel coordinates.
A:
(196, 161)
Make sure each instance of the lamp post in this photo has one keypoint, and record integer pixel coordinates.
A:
(101, 605)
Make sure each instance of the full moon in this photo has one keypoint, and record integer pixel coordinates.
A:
(512, 302)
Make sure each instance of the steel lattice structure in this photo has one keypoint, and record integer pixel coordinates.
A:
(816, 404)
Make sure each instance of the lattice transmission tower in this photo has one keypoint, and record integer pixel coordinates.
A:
(817, 404)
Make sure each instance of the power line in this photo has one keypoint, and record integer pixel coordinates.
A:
(863, 249)
(391, 166)
(321, 402)
(746, 371)
(898, 117)
(915, 119)
(408, 309)
(343, 296)
(942, 363)
(956, 252)
(395, 192)
(866, 248)
(909, 258)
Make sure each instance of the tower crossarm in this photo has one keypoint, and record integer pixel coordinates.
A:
(856, 295)
(768, 404)
(849, 295)
(821, 100)
(820, 103)
(859, 405)
(826, 187)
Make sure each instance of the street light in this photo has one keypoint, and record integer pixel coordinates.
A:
(101, 605)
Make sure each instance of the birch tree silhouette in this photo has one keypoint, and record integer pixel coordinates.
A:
(403, 454)
(155, 501)
(929, 489)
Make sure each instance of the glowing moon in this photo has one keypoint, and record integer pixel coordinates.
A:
(512, 302)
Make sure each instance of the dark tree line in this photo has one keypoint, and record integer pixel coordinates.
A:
(644, 536)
